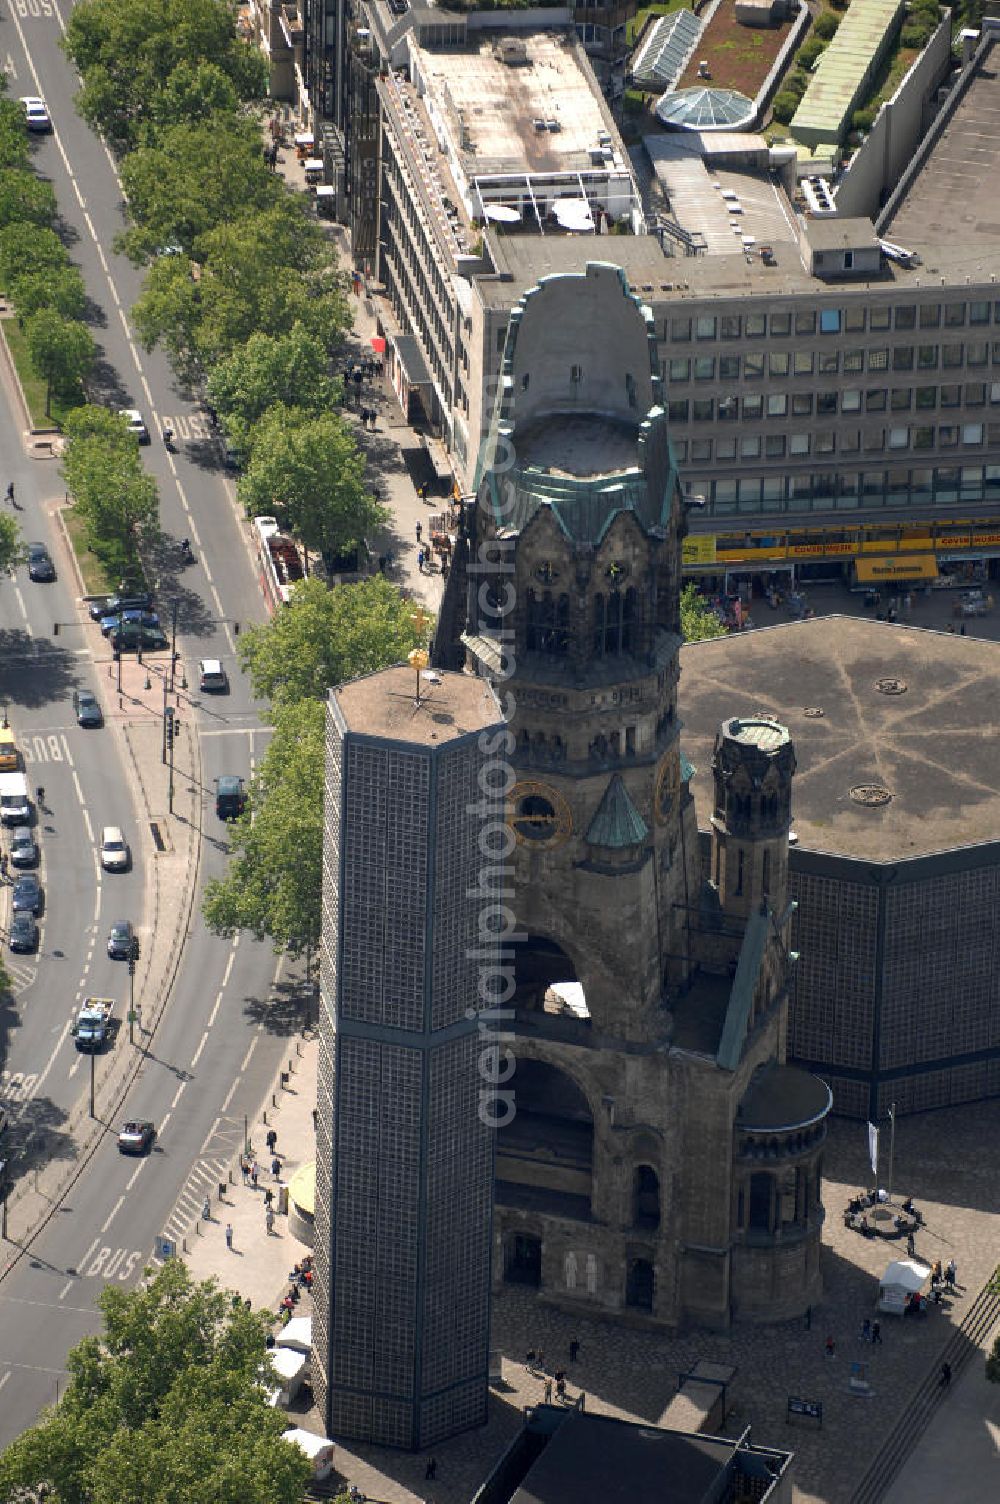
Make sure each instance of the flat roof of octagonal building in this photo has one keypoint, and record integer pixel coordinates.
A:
(579, 411)
(870, 707)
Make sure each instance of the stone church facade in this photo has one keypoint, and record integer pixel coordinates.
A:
(662, 1163)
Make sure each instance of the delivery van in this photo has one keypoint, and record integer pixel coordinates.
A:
(15, 803)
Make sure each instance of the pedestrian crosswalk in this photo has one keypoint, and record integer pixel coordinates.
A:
(220, 1153)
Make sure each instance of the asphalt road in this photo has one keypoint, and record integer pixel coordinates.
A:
(218, 1045)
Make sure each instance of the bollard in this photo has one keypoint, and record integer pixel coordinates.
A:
(274, 1099)
(284, 1079)
(298, 1049)
(222, 1190)
(291, 1067)
(263, 1117)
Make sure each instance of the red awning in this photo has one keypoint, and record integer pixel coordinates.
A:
(378, 344)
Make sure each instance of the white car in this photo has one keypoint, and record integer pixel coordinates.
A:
(136, 423)
(36, 114)
(115, 855)
(212, 677)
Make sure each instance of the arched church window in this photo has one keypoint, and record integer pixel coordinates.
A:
(548, 623)
(646, 1198)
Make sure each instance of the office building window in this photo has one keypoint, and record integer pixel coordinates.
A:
(995, 392)
(850, 441)
(850, 400)
(954, 315)
(951, 395)
(899, 438)
(927, 357)
(777, 405)
(975, 352)
(753, 367)
(704, 368)
(729, 326)
(701, 449)
(854, 320)
(975, 393)
(900, 399)
(920, 482)
(875, 399)
(798, 443)
(749, 491)
(681, 451)
(926, 398)
(802, 404)
(702, 410)
(878, 360)
(774, 445)
(930, 315)
(781, 325)
(774, 488)
(679, 370)
(777, 363)
(805, 322)
(725, 449)
(952, 356)
(729, 368)
(826, 404)
(996, 352)
(677, 412)
(680, 330)
(879, 318)
(829, 321)
(972, 433)
(825, 442)
(750, 447)
(725, 492)
(873, 439)
(923, 438)
(906, 316)
(902, 358)
(753, 408)
(728, 409)
(755, 325)
(947, 435)
(803, 362)
(979, 313)
(828, 362)
(704, 328)
(854, 361)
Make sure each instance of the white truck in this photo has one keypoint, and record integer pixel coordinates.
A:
(92, 1030)
(15, 801)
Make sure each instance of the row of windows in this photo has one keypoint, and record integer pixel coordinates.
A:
(774, 446)
(872, 399)
(853, 320)
(782, 363)
(850, 489)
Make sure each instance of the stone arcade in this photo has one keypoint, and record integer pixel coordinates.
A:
(663, 1162)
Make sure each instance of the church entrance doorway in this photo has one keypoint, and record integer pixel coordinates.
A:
(639, 1285)
(523, 1260)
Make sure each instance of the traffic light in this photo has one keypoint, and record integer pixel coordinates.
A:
(133, 955)
(168, 729)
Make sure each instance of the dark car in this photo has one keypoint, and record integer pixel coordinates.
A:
(136, 1137)
(121, 939)
(23, 933)
(86, 709)
(230, 798)
(23, 848)
(110, 605)
(40, 565)
(27, 897)
(131, 618)
(132, 634)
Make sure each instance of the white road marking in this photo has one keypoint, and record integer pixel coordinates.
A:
(4, 1378)
(201, 1046)
(229, 964)
(230, 1094)
(215, 1009)
(67, 1287)
(86, 1256)
(79, 790)
(136, 1173)
(249, 1053)
(112, 1213)
(167, 1116)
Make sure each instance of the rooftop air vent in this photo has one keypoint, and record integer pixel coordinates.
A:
(513, 52)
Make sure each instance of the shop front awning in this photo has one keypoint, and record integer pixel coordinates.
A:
(897, 568)
(410, 359)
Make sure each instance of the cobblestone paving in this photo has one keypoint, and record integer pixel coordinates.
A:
(945, 1160)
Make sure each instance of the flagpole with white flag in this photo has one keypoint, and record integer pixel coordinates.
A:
(892, 1143)
(873, 1151)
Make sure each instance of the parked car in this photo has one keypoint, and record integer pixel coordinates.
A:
(130, 618)
(86, 709)
(111, 605)
(23, 933)
(23, 847)
(212, 677)
(136, 1137)
(27, 897)
(230, 797)
(115, 855)
(132, 635)
(36, 115)
(136, 423)
(40, 565)
(120, 940)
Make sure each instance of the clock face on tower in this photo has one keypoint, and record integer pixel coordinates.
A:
(536, 812)
(668, 781)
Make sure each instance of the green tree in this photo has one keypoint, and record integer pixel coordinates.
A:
(325, 637)
(114, 495)
(698, 620)
(25, 198)
(27, 248)
(168, 312)
(128, 50)
(57, 287)
(195, 91)
(11, 551)
(165, 1405)
(293, 368)
(311, 471)
(274, 882)
(14, 149)
(61, 350)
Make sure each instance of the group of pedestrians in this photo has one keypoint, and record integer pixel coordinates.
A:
(251, 1173)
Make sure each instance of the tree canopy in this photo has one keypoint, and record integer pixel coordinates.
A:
(698, 620)
(114, 495)
(129, 51)
(62, 351)
(165, 1405)
(25, 198)
(292, 368)
(10, 554)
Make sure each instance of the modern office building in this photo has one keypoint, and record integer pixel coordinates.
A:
(895, 867)
(661, 1161)
(404, 1154)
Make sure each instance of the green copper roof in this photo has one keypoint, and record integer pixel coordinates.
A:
(734, 1030)
(688, 769)
(617, 823)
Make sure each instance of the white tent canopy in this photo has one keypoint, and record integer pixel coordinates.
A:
(319, 1449)
(297, 1334)
(903, 1277)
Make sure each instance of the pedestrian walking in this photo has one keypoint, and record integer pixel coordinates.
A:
(419, 531)
(876, 1334)
(244, 1168)
(574, 1350)
(276, 1167)
(269, 1220)
(10, 492)
(911, 1247)
(4, 864)
(866, 1330)
(206, 1210)
(430, 1471)
(254, 1172)
(268, 1196)
(951, 1272)
(420, 560)
(561, 1387)
(229, 1235)
(271, 1140)
(547, 1393)
(945, 1375)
